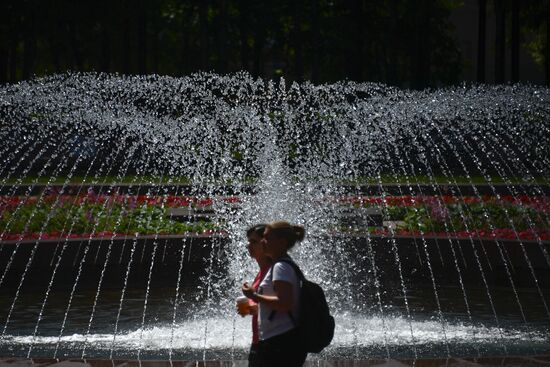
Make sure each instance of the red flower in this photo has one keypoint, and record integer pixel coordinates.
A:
(205, 202)
(232, 199)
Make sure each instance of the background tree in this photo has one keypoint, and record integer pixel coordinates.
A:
(500, 39)
(535, 15)
(319, 40)
(4, 29)
(481, 30)
(514, 78)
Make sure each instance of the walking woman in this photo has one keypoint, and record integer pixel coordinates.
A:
(255, 249)
(278, 297)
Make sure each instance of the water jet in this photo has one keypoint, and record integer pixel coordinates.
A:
(461, 172)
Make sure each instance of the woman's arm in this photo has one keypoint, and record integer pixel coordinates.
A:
(283, 300)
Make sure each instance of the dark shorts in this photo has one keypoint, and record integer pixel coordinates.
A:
(253, 360)
(281, 350)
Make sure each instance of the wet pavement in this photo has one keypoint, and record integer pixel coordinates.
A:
(510, 361)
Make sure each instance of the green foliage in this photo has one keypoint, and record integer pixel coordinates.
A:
(420, 220)
(390, 41)
(535, 20)
(397, 212)
(88, 218)
(470, 216)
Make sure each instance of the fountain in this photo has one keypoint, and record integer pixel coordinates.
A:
(123, 204)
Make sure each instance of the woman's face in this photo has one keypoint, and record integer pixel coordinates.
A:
(255, 248)
(273, 246)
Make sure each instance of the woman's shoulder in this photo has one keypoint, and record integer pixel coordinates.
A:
(282, 270)
(282, 264)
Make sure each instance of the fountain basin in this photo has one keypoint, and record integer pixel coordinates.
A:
(510, 361)
(197, 250)
(471, 257)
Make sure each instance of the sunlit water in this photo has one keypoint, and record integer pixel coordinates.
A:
(295, 144)
(359, 333)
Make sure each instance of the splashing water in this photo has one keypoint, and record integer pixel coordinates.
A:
(289, 152)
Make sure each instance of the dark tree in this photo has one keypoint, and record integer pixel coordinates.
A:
(203, 24)
(106, 29)
(482, 18)
(391, 45)
(422, 45)
(141, 36)
(222, 24)
(500, 39)
(547, 46)
(515, 42)
(29, 40)
(4, 54)
(244, 33)
(402, 42)
(259, 37)
(14, 38)
(74, 28)
(298, 9)
(535, 18)
(355, 47)
(155, 30)
(315, 41)
(126, 34)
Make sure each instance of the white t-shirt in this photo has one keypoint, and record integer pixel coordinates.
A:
(281, 321)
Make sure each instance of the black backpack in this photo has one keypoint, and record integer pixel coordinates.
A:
(316, 325)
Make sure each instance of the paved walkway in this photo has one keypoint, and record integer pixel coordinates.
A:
(539, 361)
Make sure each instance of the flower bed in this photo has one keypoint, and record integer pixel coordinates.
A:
(91, 215)
(500, 233)
(507, 217)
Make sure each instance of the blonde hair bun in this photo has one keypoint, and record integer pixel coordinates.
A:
(300, 233)
(292, 233)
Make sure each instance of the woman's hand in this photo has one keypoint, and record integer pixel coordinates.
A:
(283, 300)
(245, 312)
(253, 309)
(247, 290)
